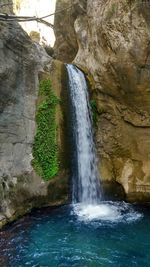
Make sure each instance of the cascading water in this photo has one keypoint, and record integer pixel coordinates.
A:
(89, 232)
(86, 186)
(86, 193)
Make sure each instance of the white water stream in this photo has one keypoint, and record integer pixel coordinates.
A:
(86, 190)
(86, 187)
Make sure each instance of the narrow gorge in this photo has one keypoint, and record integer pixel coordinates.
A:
(74, 133)
(109, 42)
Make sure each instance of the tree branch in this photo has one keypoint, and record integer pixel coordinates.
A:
(7, 17)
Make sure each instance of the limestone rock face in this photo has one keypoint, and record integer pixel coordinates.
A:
(20, 63)
(114, 47)
(66, 45)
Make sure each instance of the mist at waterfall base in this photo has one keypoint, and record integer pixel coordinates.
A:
(90, 232)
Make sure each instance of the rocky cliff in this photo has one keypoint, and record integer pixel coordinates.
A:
(110, 41)
(22, 63)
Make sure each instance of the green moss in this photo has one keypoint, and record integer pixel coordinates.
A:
(94, 111)
(45, 152)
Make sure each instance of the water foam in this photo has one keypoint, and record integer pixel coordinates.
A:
(113, 212)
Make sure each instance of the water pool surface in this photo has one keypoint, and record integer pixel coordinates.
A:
(115, 235)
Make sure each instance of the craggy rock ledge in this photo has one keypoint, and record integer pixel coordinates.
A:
(112, 45)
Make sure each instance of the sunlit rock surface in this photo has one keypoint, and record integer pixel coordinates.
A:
(38, 8)
(114, 47)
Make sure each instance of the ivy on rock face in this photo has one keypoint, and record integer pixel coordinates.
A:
(45, 151)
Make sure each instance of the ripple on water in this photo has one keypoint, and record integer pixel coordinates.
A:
(79, 236)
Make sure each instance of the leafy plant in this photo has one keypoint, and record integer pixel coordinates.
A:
(45, 151)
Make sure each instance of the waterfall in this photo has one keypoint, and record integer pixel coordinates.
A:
(86, 191)
(86, 186)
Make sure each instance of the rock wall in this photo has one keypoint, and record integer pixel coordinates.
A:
(21, 63)
(66, 45)
(114, 48)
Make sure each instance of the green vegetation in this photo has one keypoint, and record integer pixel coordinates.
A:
(45, 150)
(94, 111)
